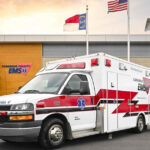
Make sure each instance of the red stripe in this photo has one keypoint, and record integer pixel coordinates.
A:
(66, 101)
(74, 19)
(124, 107)
(117, 10)
(116, 7)
(112, 3)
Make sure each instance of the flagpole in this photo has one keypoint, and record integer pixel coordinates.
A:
(87, 36)
(128, 13)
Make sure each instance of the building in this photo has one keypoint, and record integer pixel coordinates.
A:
(21, 56)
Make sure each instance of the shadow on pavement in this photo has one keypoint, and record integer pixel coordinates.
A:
(82, 142)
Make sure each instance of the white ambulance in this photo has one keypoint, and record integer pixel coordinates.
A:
(77, 97)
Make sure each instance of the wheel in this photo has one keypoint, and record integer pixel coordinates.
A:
(52, 133)
(140, 124)
(7, 141)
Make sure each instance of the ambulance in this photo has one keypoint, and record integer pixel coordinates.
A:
(77, 97)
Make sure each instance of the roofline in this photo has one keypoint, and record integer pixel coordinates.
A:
(73, 38)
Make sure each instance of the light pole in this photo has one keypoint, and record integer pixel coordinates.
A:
(147, 26)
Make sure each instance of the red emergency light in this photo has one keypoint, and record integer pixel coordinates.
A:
(108, 63)
(72, 66)
(94, 62)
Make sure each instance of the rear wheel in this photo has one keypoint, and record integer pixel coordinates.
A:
(52, 133)
(140, 124)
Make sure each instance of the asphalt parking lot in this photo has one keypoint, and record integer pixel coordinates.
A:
(121, 141)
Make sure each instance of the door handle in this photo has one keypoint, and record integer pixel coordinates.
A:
(92, 101)
(112, 84)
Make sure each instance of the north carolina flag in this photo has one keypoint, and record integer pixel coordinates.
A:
(77, 22)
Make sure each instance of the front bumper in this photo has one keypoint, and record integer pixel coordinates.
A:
(20, 131)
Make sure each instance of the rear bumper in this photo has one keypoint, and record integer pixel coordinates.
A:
(20, 131)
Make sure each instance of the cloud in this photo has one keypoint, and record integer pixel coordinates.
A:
(11, 8)
(48, 16)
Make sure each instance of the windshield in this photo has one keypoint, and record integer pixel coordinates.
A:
(45, 83)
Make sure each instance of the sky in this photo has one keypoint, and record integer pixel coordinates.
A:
(48, 16)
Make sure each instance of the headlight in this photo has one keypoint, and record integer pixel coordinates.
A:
(22, 107)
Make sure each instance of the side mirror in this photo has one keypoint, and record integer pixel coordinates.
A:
(84, 88)
(19, 88)
(66, 91)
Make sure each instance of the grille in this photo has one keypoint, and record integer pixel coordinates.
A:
(5, 107)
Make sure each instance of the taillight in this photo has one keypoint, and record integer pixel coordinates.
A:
(108, 63)
(94, 62)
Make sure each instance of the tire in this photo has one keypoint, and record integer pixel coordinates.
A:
(52, 134)
(8, 141)
(140, 124)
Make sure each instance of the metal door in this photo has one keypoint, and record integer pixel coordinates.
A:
(111, 101)
(124, 97)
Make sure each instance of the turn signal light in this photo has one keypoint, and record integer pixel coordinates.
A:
(94, 62)
(136, 106)
(14, 118)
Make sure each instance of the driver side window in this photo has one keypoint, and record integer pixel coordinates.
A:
(74, 84)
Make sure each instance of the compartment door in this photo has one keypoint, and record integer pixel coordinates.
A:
(124, 96)
(112, 101)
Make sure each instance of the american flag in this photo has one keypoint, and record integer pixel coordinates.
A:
(117, 5)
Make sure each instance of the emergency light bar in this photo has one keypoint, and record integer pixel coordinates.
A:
(108, 63)
(72, 66)
(94, 62)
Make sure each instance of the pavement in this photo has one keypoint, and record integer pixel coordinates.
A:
(123, 140)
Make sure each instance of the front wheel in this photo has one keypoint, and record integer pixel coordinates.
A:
(52, 133)
(140, 124)
(8, 141)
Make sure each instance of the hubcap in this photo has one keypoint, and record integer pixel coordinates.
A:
(140, 124)
(55, 134)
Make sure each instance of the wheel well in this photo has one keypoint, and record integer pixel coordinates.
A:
(143, 117)
(59, 116)
(64, 119)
